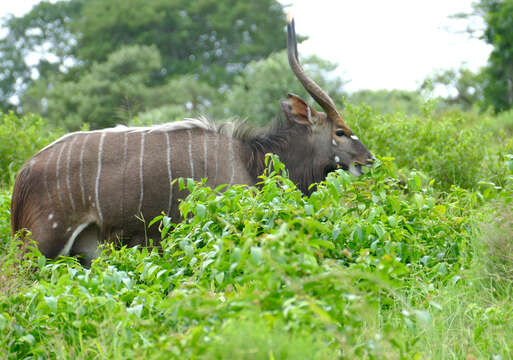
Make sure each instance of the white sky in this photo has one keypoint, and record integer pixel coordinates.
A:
(378, 44)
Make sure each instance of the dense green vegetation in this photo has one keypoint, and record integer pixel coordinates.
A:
(20, 138)
(411, 260)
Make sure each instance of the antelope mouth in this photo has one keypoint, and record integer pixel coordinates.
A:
(356, 169)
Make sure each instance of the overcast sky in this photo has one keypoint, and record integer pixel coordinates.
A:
(377, 44)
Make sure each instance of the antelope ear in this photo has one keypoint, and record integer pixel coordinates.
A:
(298, 111)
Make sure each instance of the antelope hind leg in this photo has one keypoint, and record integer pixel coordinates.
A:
(85, 244)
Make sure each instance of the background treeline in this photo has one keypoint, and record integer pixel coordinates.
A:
(104, 62)
(108, 62)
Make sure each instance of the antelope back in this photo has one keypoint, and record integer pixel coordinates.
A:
(95, 184)
(90, 186)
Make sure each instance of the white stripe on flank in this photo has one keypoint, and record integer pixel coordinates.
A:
(216, 157)
(98, 174)
(232, 160)
(205, 153)
(169, 174)
(141, 173)
(81, 173)
(67, 174)
(45, 177)
(69, 244)
(57, 173)
(191, 160)
(125, 159)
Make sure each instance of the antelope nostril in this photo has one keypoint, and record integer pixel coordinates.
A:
(371, 160)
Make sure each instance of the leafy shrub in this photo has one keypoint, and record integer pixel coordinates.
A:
(252, 338)
(267, 262)
(497, 243)
(446, 147)
(5, 218)
(502, 122)
(360, 222)
(20, 138)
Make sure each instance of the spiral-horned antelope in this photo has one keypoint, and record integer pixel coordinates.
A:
(89, 187)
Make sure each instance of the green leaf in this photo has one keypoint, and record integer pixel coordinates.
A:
(201, 211)
(256, 255)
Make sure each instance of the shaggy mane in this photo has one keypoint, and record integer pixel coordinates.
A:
(284, 139)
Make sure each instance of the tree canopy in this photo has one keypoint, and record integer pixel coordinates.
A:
(36, 45)
(463, 87)
(491, 87)
(211, 40)
(496, 78)
(498, 86)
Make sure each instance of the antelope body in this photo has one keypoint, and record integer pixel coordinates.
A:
(89, 187)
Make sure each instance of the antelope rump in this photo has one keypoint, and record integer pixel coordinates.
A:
(89, 187)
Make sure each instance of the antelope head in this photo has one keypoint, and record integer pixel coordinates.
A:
(336, 144)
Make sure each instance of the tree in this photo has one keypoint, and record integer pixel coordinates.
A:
(115, 91)
(388, 101)
(256, 92)
(183, 96)
(498, 88)
(36, 45)
(110, 93)
(212, 39)
(462, 87)
(498, 74)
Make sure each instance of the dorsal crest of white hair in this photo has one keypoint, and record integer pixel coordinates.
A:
(188, 123)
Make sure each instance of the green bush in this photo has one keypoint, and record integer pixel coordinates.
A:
(20, 138)
(5, 219)
(291, 273)
(502, 122)
(447, 147)
(160, 115)
(381, 266)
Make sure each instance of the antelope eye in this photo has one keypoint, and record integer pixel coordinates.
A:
(340, 133)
